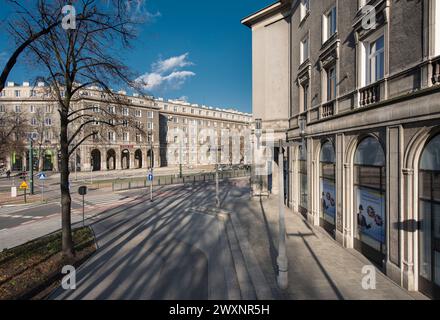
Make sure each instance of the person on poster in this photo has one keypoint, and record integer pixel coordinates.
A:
(362, 221)
(324, 203)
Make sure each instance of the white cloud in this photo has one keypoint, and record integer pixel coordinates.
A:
(172, 63)
(175, 80)
(167, 74)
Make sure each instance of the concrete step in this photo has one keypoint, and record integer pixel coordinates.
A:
(247, 290)
(260, 285)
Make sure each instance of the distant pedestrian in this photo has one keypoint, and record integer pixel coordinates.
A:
(8, 174)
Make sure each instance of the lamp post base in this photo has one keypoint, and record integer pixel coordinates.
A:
(282, 278)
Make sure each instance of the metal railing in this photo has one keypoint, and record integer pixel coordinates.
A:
(436, 71)
(138, 183)
(328, 109)
(370, 94)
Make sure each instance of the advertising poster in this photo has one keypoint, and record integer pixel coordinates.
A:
(328, 200)
(370, 214)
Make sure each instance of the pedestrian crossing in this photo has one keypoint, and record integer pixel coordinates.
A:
(99, 200)
(7, 210)
(13, 212)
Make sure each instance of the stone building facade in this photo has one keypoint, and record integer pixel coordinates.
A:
(363, 144)
(114, 148)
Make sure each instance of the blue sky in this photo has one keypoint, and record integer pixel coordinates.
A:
(194, 49)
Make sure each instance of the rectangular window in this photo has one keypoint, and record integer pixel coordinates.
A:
(32, 109)
(376, 60)
(138, 113)
(305, 96)
(48, 109)
(150, 115)
(125, 111)
(17, 93)
(304, 47)
(305, 8)
(48, 121)
(111, 136)
(96, 108)
(2, 108)
(17, 109)
(331, 83)
(125, 136)
(329, 24)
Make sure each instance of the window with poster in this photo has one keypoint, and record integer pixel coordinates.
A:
(429, 219)
(328, 188)
(369, 198)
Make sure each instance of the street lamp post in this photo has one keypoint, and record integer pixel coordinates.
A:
(180, 158)
(91, 170)
(217, 188)
(258, 134)
(217, 196)
(76, 164)
(282, 261)
(150, 140)
(31, 166)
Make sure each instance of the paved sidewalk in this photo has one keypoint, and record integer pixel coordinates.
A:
(319, 268)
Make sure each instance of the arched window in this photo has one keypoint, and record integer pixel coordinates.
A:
(429, 217)
(369, 195)
(328, 187)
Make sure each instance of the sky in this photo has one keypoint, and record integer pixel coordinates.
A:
(193, 50)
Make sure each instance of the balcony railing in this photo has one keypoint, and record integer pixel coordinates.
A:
(436, 71)
(370, 94)
(328, 109)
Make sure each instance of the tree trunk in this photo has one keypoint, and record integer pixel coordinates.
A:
(66, 200)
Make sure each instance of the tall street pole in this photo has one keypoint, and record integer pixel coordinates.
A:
(282, 254)
(31, 166)
(76, 165)
(217, 198)
(180, 160)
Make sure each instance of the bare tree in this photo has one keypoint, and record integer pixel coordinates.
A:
(35, 30)
(75, 60)
(13, 129)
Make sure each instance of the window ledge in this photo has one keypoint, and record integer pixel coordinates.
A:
(330, 41)
(303, 20)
